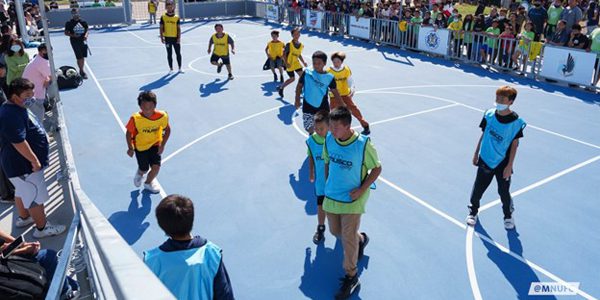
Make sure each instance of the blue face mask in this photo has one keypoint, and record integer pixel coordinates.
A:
(501, 107)
(28, 102)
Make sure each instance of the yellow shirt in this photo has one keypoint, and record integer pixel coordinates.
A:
(147, 132)
(221, 45)
(341, 80)
(170, 23)
(293, 58)
(275, 49)
(151, 7)
(456, 27)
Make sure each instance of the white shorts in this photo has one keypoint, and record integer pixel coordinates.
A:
(31, 188)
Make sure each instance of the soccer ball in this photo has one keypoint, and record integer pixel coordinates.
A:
(59, 73)
(71, 73)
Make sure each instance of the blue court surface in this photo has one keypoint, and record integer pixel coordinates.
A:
(238, 151)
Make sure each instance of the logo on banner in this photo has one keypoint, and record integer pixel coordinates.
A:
(432, 40)
(568, 66)
(312, 19)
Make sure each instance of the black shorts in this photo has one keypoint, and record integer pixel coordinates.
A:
(169, 40)
(309, 109)
(80, 49)
(276, 63)
(224, 59)
(320, 200)
(292, 74)
(147, 158)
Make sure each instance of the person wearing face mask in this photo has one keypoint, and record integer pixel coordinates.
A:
(38, 72)
(24, 155)
(16, 60)
(77, 31)
(554, 12)
(538, 16)
(495, 154)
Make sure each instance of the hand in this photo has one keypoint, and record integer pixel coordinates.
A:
(507, 172)
(475, 159)
(130, 152)
(36, 166)
(162, 39)
(355, 194)
(311, 177)
(161, 148)
(30, 248)
(208, 51)
(305, 64)
(233, 51)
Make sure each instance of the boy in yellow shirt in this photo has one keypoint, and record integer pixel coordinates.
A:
(152, 7)
(147, 133)
(170, 35)
(274, 52)
(221, 40)
(292, 56)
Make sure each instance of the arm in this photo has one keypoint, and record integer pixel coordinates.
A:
(267, 50)
(476, 155)
(222, 285)
(178, 33)
(129, 139)
(351, 85)
(375, 172)
(302, 60)
(311, 169)
(511, 158)
(210, 43)
(166, 135)
(337, 96)
(232, 43)
(299, 87)
(25, 150)
(286, 52)
(162, 32)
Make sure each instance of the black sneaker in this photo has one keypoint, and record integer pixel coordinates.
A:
(366, 131)
(319, 234)
(83, 75)
(362, 245)
(280, 91)
(349, 285)
(230, 77)
(219, 67)
(274, 77)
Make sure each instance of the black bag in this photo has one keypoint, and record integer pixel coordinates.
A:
(68, 78)
(22, 278)
(267, 65)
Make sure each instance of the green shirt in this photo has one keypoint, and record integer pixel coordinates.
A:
(370, 162)
(528, 34)
(96, 4)
(595, 37)
(554, 14)
(416, 20)
(109, 4)
(491, 42)
(319, 139)
(15, 65)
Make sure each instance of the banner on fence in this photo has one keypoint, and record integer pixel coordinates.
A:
(434, 41)
(272, 12)
(360, 27)
(568, 65)
(314, 19)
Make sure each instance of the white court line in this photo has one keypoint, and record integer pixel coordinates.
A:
(464, 227)
(481, 110)
(162, 192)
(543, 181)
(471, 264)
(217, 130)
(410, 115)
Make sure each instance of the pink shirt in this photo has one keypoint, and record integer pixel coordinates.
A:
(37, 71)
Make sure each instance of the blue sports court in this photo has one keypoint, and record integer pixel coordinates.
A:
(238, 151)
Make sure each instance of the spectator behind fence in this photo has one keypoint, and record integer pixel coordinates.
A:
(16, 59)
(577, 39)
(190, 267)
(7, 190)
(593, 13)
(96, 3)
(572, 15)
(595, 48)
(559, 37)
(38, 72)
(538, 16)
(554, 12)
(109, 3)
(24, 156)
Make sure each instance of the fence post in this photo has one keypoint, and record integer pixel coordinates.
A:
(127, 11)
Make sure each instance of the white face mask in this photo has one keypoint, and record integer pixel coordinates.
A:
(15, 48)
(501, 107)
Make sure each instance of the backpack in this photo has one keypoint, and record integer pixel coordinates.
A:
(22, 278)
(67, 77)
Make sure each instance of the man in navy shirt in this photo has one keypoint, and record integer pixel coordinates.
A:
(24, 155)
(538, 15)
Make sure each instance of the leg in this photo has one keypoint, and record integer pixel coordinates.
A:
(350, 239)
(153, 173)
(355, 111)
(169, 46)
(482, 181)
(320, 212)
(7, 190)
(335, 224)
(38, 214)
(177, 47)
(504, 192)
(308, 121)
(81, 64)
(23, 213)
(154, 161)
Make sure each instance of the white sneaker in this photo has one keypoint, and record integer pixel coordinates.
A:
(509, 224)
(49, 230)
(181, 71)
(23, 222)
(152, 187)
(471, 220)
(137, 179)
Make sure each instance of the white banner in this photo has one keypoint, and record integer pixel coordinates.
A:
(360, 27)
(314, 19)
(434, 41)
(272, 12)
(569, 65)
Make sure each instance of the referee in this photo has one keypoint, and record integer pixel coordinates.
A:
(77, 30)
(170, 34)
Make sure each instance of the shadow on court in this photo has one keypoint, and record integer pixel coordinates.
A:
(160, 82)
(270, 88)
(130, 224)
(323, 271)
(517, 273)
(304, 189)
(286, 113)
(214, 87)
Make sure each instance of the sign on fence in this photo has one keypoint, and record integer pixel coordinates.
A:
(360, 27)
(434, 41)
(272, 12)
(314, 19)
(569, 65)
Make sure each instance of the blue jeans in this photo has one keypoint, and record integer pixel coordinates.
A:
(48, 260)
